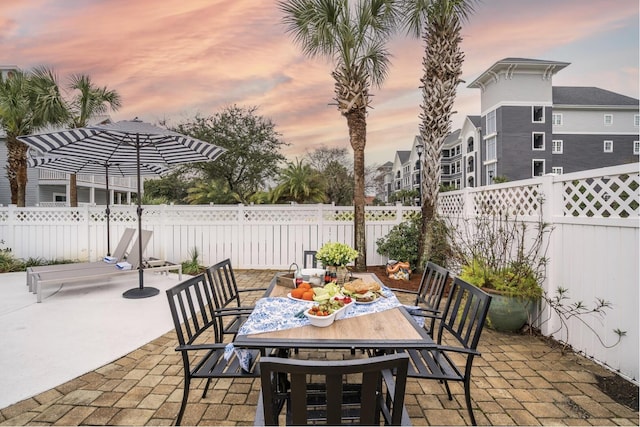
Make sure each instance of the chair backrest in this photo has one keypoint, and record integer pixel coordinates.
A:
(369, 398)
(432, 284)
(223, 282)
(134, 256)
(192, 309)
(465, 314)
(121, 250)
(310, 260)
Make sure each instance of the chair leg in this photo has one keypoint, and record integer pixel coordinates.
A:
(467, 398)
(185, 397)
(446, 386)
(206, 388)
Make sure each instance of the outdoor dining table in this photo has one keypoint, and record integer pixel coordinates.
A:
(384, 324)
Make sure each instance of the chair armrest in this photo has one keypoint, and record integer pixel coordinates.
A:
(195, 347)
(404, 291)
(462, 350)
(233, 311)
(252, 289)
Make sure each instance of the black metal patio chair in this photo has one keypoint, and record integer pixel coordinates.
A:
(227, 296)
(333, 400)
(429, 294)
(196, 320)
(457, 338)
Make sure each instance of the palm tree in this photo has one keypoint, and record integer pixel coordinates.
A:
(354, 38)
(439, 22)
(28, 102)
(87, 101)
(299, 183)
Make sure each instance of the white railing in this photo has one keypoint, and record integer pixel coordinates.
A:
(114, 181)
(594, 248)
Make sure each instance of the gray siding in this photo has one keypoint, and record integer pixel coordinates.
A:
(582, 152)
(514, 145)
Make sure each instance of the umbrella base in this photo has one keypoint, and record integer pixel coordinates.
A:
(137, 293)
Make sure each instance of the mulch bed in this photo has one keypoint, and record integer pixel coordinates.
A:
(411, 285)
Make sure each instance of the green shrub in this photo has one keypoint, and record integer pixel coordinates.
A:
(401, 244)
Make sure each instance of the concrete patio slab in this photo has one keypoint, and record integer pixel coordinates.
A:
(77, 328)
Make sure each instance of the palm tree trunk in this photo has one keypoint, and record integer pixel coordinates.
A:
(73, 190)
(17, 170)
(357, 123)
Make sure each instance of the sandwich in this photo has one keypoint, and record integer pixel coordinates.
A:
(362, 291)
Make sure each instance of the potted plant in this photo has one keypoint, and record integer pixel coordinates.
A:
(507, 258)
(335, 256)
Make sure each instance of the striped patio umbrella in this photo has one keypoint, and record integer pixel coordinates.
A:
(92, 167)
(125, 142)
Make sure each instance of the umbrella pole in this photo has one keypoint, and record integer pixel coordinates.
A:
(108, 211)
(141, 291)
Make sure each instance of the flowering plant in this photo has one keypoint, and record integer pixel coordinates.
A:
(336, 254)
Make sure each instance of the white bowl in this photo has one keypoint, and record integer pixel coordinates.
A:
(321, 321)
(341, 312)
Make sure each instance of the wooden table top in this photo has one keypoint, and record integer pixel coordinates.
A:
(393, 328)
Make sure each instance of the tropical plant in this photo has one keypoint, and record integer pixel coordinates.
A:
(401, 243)
(439, 22)
(28, 102)
(86, 101)
(336, 254)
(299, 183)
(353, 35)
(204, 192)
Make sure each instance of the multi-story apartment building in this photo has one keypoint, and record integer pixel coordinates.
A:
(528, 127)
(51, 188)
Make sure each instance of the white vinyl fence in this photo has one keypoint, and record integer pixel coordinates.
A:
(594, 248)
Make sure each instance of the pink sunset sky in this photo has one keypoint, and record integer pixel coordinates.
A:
(173, 59)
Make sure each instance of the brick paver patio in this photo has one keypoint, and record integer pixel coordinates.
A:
(519, 380)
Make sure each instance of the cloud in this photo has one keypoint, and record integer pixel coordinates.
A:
(179, 58)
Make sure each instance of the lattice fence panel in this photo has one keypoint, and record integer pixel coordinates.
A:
(604, 196)
(39, 216)
(450, 204)
(516, 201)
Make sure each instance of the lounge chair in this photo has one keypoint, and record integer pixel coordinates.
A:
(119, 254)
(99, 272)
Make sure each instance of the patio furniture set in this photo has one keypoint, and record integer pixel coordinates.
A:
(436, 338)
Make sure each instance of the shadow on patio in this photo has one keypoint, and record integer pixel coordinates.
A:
(519, 380)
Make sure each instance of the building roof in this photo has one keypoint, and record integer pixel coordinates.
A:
(476, 120)
(514, 65)
(403, 155)
(452, 137)
(577, 95)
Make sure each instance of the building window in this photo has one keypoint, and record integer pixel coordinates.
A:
(636, 147)
(537, 114)
(491, 172)
(470, 144)
(537, 140)
(491, 149)
(491, 122)
(59, 197)
(470, 182)
(445, 169)
(608, 146)
(556, 119)
(556, 146)
(537, 167)
(636, 120)
(558, 170)
(608, 119)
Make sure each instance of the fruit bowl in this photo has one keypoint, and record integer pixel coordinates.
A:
(321, 321)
